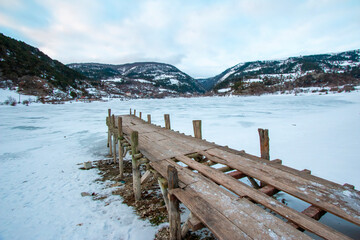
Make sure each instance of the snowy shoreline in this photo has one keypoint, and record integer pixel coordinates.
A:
(41, 146)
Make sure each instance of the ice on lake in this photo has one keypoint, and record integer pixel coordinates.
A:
(40, 145)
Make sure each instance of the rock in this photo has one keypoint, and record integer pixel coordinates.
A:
(84, 194)
(87, 165)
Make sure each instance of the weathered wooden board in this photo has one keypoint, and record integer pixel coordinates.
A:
(186, 177)
(329, 196)
(245, 215)
(255, 221)
(243, 190)
(218, 224)
(239, 218)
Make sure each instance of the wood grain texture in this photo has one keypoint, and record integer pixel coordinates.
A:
(325, 194)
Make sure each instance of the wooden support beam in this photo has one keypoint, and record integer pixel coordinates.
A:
(130, 112)
(237, 174)
(149, 118)
(108, 139)
(192, 223)
(137, 156)
(146, 176)
(109, 132)
(277, 161)
(121, 160)
(135, 166)
(167, 121)
(143, 161)
(197, 129)
(135, 112)
(164, 190)
(269, 190)
(140, 115)
(114, 139)
(174, 211)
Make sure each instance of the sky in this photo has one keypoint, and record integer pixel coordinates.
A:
(201, 38)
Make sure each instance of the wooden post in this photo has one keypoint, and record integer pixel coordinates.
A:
(264, 147)
(135, 166)
(135, 112)
(167, 121)
(174, 213)
(264, 143)
(149, 118)
(114, 138)
(140, 113)
(120, 133)
(108, 121)
(110, 134)
(130, 112)
(197, 129)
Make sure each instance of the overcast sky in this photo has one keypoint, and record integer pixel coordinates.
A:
(201, 38)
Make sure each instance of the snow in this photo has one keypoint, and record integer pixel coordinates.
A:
(226, 75)
(174, 81)
(252, 80)
(143, 81)
(223, 90)
(5, 94)
(113, 80)
(252, 69)
(41, 145)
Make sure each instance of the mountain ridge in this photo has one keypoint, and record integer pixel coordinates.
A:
(286, 70)
(30, 71)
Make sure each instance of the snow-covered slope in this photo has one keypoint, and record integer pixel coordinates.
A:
(30, 71)
(157, 74)
(289, 69)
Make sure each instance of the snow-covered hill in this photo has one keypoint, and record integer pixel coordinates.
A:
(151, 77)
(288, 70)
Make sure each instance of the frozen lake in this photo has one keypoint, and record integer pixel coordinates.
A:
(40, 146)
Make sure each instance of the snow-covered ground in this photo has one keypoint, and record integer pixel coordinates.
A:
(5, 94)
(40, 146)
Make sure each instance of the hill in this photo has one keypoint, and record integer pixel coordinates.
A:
(31, 71)
(295, 72)
(149, 76)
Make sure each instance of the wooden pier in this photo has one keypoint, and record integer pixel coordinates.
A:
(216, 198)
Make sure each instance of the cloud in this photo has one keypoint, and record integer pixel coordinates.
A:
(202, 38)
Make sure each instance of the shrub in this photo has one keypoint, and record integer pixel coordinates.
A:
(10, 101)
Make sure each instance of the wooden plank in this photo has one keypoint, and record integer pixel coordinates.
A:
(255, 221)
(233, 207)
(185, 177)
(218, 224)
(243, 190)
(281, 167)
(339, 201)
